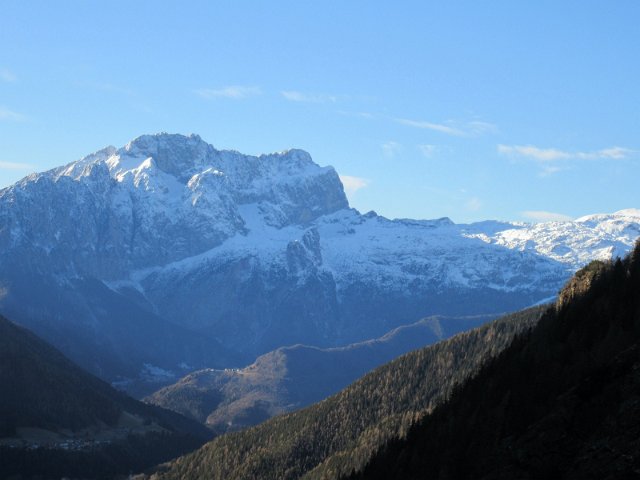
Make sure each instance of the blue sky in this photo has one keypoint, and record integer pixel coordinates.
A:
(472, 110)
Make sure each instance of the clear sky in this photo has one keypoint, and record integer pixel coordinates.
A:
(473, 110)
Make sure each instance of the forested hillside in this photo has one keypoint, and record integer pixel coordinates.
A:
(341, 433)
(562, 402)
(290, 378)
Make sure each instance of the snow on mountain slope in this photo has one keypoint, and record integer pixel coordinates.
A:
(255, 253)
(395, 253)
(158, 199)
(373, 273)
(574, 243)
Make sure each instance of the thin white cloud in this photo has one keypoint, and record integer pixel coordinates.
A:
(538, 154)
(353, 184)
(474, 204)
(543, 216)
(453, 128)
(391, 149)
(10, 115)
(438, 127)
(296, 96)
(614, 153)
(474, 128)
(15, 166)
(7, 75)
(548, 170)
(111, 88)
(546, 155)
(427, 150)
(477, 128)
(236, 92)
(365, 115)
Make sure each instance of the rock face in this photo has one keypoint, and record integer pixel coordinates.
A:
(580, 283)
(168, 255)
(159, 199)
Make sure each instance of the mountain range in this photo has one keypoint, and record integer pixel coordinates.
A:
(233, 288)
(550, 392)
(147, 262)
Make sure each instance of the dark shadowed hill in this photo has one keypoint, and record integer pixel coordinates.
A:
(290, 378)
(58, 420)
(562, 402)
(343, 431)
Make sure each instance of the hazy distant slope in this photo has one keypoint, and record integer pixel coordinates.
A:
(293, 377)
(114, 335)
(56, 419)
(563, 402)
(345, 429)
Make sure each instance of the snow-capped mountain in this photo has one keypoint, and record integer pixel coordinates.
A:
(159, 199)
(128, 248)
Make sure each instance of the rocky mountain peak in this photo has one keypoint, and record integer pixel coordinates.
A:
(159, 199)
(294, 157)
(175, 154)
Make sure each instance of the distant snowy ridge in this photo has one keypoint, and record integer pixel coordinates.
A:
(592, 237)
(396, 251)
